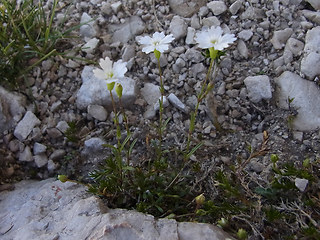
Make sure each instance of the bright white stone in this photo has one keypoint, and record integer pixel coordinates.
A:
(217, 7)
(178, 27)
(94, 91)
(306, 100)
(258, 88)
(26, 125)
(301, 184)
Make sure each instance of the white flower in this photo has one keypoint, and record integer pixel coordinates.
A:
(213, 37)
(158, 42)
(110, 71)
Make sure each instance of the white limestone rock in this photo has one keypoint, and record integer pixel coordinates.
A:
(98, 112)
(53, 210)
(186, 8)
(312, 16)
(25, 126)
(217, 7)
(175, 101)
(314, 3)
(306, 100)
(26, 155)
(12, 108)
(258, 88)
(295, 46)
(94, 91)
(310, 65)
(39, 148)
(87, 30)
(280, 38)
(178, 27)
(132, 27)
(301, 184)
(313, 40)
(151, 93)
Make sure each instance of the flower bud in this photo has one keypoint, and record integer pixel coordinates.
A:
(63, 178)
(274, 158)
(200, 199)
(119, 89)
(157, 54)
(242, 234)
(223, 222)
(110, 86)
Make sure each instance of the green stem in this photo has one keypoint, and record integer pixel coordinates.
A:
(116, 119)
(203, 93)
(161, 99)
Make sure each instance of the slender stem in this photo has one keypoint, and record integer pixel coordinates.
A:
(116, 118)
(161, 102)
(201, 96)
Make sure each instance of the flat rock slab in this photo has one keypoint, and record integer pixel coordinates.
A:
(53, 210)
(306, 100)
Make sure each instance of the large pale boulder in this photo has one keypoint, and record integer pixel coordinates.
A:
(53, 210)
(306, 100)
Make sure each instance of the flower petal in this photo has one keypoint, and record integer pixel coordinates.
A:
(106, 64)
(119, 69)
(98, 73)
(144, 40)
(167, 39)
(148, 49)
(158, 36)
(162, 47)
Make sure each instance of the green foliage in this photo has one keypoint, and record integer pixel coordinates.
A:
(27, 37)
(72, 132)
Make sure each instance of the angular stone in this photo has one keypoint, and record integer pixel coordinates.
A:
(175, 101)
(12, 108)
(234, 8)
(57, 154)
(217, 7)
(26, 125)
(306, 100)
(312, 16)
(39, 148)
(98, 112)
(186, 8)
(90, 46)
(93, 145)
(280, 38)
(314, 3)
(242, 49)
(87, 30)
(62, 126)
(245, 35)
(258, 88)
(26, 155)
(190, 36)
(132, 26)
(194, 56)
(40, 160)
(310, 65)
(301, 184)
(151, 93)
(295, 46)
(312, 42)
(178, 27)
(94, 91)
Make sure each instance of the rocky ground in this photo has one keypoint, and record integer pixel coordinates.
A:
(57, 125)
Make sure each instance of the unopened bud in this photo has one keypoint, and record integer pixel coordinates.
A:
(110, 86)
(274, 158)
(200, 199)
(157, 54)
(242, 234)
(223, 222)
(63, 178)
(119, 89)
